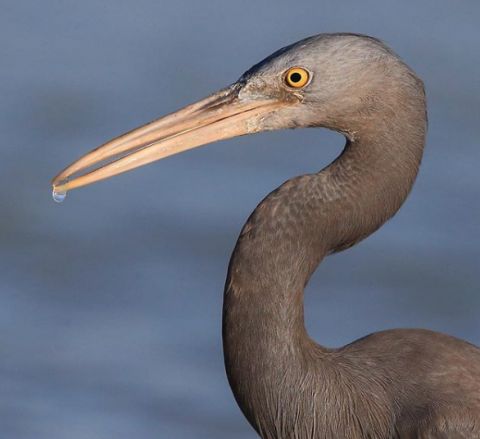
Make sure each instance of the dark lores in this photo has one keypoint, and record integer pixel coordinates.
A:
(394, 384)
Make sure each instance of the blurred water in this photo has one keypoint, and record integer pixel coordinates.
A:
(110, 304)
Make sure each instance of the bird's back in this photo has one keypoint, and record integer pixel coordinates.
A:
(430, 381)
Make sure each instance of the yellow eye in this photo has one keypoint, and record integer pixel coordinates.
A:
(296, 77)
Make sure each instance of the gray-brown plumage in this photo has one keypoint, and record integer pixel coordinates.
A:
(399, 383)
(393, 384)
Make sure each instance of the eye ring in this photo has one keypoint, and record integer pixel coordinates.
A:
(297, 77)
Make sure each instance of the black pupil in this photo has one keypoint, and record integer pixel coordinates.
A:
(295, 77)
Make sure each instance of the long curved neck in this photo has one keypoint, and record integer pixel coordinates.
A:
(268, 353)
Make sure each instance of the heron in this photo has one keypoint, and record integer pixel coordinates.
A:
(400, 383)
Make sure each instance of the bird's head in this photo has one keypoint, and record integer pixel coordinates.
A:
(328, 80)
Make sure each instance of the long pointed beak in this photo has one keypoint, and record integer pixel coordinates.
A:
(220, 116)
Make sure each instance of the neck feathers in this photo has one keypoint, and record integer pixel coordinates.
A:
(290, 232)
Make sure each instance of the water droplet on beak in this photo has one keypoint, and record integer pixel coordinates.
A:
(57, 196)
